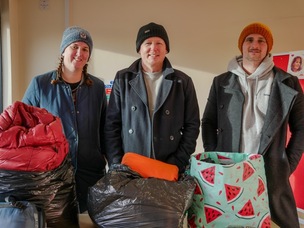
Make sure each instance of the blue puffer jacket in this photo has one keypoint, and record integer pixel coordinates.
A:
(82, 123)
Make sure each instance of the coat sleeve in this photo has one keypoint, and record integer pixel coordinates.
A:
(190, 129)
(209, 121)
(113, 126)
(295, 146)
(103, 112)
(31, 96)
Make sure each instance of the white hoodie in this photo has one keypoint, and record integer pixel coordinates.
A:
(256, 89)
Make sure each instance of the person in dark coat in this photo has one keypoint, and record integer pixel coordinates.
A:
(250, 109)
(153, 108)
(79, 99)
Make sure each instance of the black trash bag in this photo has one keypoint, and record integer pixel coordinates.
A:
(53, 191)
(122, 198)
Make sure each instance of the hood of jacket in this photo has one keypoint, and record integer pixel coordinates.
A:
(256, 89)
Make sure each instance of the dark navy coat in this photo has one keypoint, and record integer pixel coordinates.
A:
(170, 136)
(221, 131)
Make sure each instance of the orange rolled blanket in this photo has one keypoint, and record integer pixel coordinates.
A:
(148, 167)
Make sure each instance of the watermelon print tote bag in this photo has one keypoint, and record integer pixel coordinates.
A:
(230, 191)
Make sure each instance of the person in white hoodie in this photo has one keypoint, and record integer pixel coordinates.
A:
(249, 110)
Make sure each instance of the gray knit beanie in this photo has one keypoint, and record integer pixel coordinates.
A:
(151, 30)
(75, 34)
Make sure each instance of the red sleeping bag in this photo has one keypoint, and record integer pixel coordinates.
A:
(31, 139)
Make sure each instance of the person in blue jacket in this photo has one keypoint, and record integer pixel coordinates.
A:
(153, 108)
(79, 99)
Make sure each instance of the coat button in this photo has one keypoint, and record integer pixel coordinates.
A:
(171, 137)
(219, 130)
(221, 106)
(167, 112)
(133, 108)
(131, 131)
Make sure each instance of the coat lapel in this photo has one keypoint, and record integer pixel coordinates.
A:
(281, 100)
(163, 93)
(138, 85)
(231, 86)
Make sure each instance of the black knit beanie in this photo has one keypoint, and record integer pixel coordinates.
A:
(151, 30)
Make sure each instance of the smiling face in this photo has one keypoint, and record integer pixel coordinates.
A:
(76, 55)
(296, 65)
(153, 51)
(254, 48)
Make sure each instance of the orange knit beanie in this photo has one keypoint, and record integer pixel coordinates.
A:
(256, 28)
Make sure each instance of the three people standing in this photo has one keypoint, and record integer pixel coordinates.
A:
(153, 111)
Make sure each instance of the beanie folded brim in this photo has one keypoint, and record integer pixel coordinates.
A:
(151, 30)
(256, 28)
